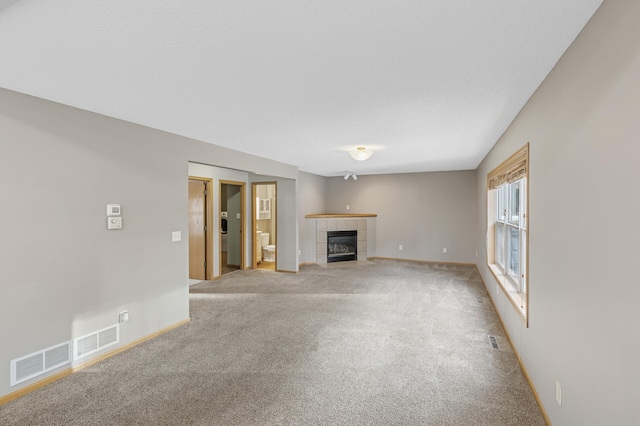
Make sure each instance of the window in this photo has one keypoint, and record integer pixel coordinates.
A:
(510, 232)
(507, 234)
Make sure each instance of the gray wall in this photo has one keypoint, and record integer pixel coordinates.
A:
(287, 250)
(582, 125)
(423, 212)
(62, 274)
(312, 199)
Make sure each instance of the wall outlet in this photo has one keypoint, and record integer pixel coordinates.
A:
(476, 254)
(444, 250)
(299, 252)
(559, 394)
(124, 316)
(400, 247)
(176, 236)
(347, 206)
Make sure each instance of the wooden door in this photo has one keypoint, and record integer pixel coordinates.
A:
(197, 230)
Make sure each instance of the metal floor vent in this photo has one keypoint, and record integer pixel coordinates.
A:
(90, 343)
(37, 363)
(494, 342)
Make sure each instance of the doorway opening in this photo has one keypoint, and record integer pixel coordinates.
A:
(264, 219)
(200, 230)
(232, 254)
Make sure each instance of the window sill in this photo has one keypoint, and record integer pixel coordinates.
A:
(516, 299)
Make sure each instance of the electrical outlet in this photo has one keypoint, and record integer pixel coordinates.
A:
(124, 316)
(400, 247)
(559, 393)
(444, 250)
(476, 254)
(299, 252)
(347, 206)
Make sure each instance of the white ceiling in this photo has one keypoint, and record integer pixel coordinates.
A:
(428, 84)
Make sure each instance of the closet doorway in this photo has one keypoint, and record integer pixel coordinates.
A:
(264, 220)
(232, 195)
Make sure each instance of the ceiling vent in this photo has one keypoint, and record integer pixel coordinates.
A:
(37, 363)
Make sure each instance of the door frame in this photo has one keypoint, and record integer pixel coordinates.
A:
(210, 228)
(254, 209)
(243, 230)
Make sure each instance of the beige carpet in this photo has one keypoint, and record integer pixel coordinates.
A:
(357, 343)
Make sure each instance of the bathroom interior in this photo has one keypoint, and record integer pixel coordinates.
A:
(265, 225)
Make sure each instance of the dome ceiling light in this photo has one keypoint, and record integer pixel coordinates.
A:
(361, 153)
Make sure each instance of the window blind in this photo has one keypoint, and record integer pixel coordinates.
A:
(512, 169)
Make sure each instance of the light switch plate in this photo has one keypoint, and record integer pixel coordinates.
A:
(113, 210)
(176, 236)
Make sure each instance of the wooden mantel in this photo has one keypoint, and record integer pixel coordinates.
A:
(339, 215)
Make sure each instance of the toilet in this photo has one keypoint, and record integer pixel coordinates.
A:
(268, 250)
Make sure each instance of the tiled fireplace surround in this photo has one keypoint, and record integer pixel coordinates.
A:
(351, 223)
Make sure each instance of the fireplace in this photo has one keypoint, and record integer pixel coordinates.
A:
(342, 246)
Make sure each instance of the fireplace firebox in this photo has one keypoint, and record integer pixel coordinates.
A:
(342, 246)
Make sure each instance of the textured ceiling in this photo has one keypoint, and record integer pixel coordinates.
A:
(429, 85)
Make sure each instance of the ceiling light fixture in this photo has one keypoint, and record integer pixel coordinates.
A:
(350, 174)
(361, 153)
